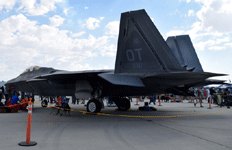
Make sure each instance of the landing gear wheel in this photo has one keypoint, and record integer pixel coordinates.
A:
(44, 103)
(93, 106)
(124, 104)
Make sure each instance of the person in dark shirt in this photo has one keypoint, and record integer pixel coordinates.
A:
(226, 94)
(15, 99)
(152, 99)
(211, 91)
(1, 93)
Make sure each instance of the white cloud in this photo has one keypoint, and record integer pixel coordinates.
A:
(175, 32)
(24, 43)
(56, 20)
(77, 34)
(191, 13)
(112, 28)
(65, 11)
(216, 48)
(175, 12)
(109, 51)
(209, 27)
(196, 27)
(216, 14)
(101, 18)
(106, 67)
(76, 66)
(7, 4)
(3, 68)
(213, 23)
(213, 19)
(228, 45)
(86, 7)
(212, 44)
(93, 23)
(185, 0)
(35, 9)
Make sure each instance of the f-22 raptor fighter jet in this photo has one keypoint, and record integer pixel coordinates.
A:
(145, 65)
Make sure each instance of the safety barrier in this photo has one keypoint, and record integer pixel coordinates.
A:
(132, 116)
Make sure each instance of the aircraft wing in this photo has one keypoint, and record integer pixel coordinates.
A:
(63, 77)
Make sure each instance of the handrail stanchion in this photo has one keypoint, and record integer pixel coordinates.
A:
(160, 100)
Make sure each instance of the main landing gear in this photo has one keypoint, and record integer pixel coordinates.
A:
(95, 105)
(123, 104)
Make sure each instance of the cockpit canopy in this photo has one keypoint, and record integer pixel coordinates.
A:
(32, 68)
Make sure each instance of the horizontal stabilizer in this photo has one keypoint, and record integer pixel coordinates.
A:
(187, 75)
(122, 79)
(208, 82)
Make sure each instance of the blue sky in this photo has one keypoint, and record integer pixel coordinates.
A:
(82, 35)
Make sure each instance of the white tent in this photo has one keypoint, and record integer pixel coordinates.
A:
(224, 86)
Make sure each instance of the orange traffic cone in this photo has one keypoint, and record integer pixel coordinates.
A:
(159, 100)
(137, 102)
(28, 134)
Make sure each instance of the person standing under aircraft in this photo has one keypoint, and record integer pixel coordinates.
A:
(219, 96)
(192, 93)
(15, 99)
(208, 95)
(73, 100)
(199, 97)
(152, 99)
(6, 93)
(211, 94)
(226, 94)
(1, 93)
(167, 98)
(205, 94)
(59, 100)
(83, 101)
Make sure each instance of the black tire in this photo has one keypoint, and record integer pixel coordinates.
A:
(124, 104)
(93, 106)
(44, 103)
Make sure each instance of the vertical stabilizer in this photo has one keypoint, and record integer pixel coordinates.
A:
(184, 51)
(141, 48)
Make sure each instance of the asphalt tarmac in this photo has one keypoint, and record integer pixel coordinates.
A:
(174, 126)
